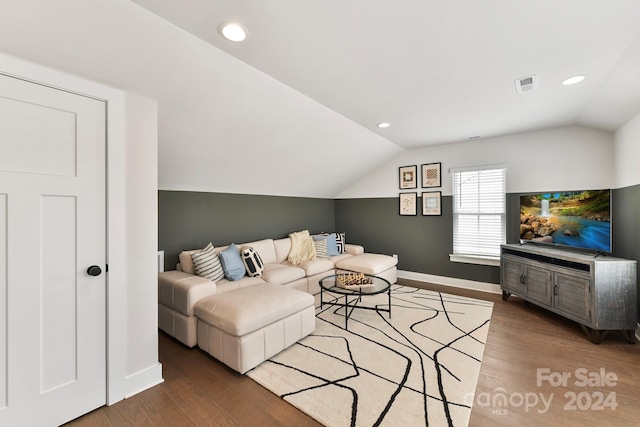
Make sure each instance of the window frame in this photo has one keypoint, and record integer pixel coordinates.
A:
(471, 257)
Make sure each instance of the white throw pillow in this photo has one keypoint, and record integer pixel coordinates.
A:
(252, 262)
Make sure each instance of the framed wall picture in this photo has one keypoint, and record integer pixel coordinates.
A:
(408, 177)
(431, 175)
(431, 203)
(408, 202)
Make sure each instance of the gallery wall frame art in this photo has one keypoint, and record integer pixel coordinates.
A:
(408, 203)
(432, 203)
(431, 175)
(408, 176)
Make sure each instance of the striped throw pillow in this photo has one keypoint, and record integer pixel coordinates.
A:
(252, 262)
(320, 242)
(207, 264)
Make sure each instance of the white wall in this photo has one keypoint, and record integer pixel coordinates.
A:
(141, 158)
(132, 227)
(561, 159)
(627, 154)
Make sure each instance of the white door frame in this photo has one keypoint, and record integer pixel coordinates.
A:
(118, 385)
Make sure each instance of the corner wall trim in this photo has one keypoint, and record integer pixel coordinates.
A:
(451, 281)
(143, 380)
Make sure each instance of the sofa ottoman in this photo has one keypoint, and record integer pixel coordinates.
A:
(178, 293)
(372, 264)
(245, 327)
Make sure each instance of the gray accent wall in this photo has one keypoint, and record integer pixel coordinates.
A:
(190, 220)
(422, 243)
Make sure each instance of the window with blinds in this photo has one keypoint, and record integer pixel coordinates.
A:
(479, 211)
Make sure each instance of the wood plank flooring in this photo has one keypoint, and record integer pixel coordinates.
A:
(199, 391)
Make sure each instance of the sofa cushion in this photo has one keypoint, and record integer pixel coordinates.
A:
(281, 273)
(207, 264)
(282, 248)
(264, 248)
(252, 262)
(352, 249)
(232, 263)
(248, 309)
(367, 263)
(186, 263)
(317, 266)
(226, 285)
(338, 258)
(180, 291)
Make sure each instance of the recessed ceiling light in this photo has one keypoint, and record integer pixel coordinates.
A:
(384, 125)
(232, 32)
(572, 80)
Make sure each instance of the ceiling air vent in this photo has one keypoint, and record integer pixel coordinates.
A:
(527, 84)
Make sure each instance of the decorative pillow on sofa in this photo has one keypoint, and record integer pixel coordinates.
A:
(252, 262)
(320, 242)
(340, 242)
(332, 246)
(207, 264)
(336, 243)
(232, 263)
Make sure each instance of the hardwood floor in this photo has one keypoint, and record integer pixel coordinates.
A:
(199, 391)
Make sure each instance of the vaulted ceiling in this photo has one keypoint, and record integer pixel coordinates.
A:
(293, 109)
(438, 71)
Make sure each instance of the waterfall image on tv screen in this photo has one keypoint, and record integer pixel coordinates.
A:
(580, 219)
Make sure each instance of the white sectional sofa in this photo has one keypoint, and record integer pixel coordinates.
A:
(185, 299)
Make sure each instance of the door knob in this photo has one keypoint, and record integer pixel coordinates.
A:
(94, 270)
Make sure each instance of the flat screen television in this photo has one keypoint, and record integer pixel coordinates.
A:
(576, 219)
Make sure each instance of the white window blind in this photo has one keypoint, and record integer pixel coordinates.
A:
(479, 211)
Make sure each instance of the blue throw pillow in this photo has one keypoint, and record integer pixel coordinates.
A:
(332, 246)
(232, 263)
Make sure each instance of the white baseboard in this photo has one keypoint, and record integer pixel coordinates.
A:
(451, 281)
(140, 381)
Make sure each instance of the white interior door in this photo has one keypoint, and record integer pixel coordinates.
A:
(52, 229)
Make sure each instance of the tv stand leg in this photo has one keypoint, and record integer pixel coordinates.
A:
(596, 336)
(629, 335)
(505, 295)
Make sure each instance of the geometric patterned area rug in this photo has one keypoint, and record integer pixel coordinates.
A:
(419, 367)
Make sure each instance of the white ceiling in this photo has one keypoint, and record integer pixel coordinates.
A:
(300, 119)
(438, 71)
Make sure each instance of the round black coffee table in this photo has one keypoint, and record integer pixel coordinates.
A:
(378, 286)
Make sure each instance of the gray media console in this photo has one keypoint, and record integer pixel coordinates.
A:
(597, 291)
